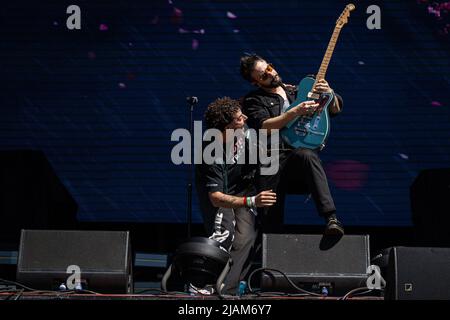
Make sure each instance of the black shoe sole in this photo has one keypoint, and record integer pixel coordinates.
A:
(334, 231)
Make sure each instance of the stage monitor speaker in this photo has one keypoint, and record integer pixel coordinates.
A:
(315, 263)
(418, 274)
(103, 258)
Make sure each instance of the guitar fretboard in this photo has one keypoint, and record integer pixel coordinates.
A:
(326, 59)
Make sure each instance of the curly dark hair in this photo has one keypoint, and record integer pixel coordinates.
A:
(220, 113)
(248, 64)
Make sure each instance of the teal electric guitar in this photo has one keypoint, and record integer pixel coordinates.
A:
(312, 131)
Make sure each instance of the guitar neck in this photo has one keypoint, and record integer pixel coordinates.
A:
(326, 59)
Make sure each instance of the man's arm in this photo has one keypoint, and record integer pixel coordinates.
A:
(222, 200)
(336, 107)
(280, 121)
(260, 118)
(304, 108)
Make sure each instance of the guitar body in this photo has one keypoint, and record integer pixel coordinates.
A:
(309, 132)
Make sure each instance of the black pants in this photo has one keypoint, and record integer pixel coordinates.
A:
(235, 229)
(300, 172)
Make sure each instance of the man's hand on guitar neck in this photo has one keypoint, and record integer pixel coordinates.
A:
(322, 86)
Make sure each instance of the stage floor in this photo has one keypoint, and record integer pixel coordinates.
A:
(166, 297)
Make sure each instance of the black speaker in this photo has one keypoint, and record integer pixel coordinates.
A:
(314, 262)
(429, 196)
(418, 274)
(103, 257)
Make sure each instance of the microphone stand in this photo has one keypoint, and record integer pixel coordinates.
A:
(192, 101)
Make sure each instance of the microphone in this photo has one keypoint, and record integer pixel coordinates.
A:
(192, 100)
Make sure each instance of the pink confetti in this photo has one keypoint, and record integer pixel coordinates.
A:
(181, 30)
(91, 55)
(436, 104)
(177, 12)
(195, 44)
(231, 15)
(177, 16)
(348, 174)
(103, 27)
(122, 85)
(201, 31)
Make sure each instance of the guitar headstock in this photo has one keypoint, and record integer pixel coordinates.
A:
(343, 18)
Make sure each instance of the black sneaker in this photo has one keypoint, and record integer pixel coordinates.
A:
(334, 228)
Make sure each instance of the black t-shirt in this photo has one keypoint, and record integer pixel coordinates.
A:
(232, 178)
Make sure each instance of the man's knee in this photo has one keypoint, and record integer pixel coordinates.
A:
(242, 240)
(306, 154)
(303, 152)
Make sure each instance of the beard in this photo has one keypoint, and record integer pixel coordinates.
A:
(276, 82)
